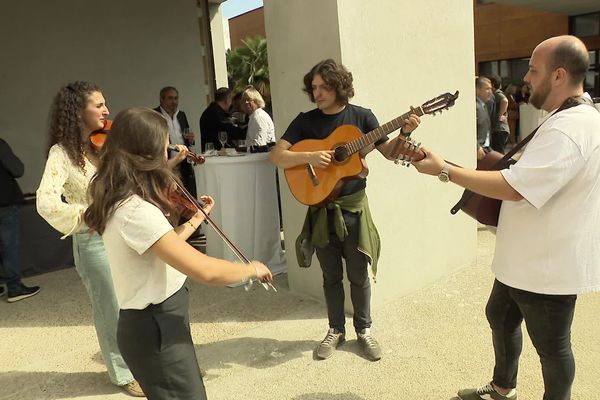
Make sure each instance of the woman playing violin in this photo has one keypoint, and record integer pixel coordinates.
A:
(77, 110)
(149, 257)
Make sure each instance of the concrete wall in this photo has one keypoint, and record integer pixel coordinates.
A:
(401, 53)
(130, 48)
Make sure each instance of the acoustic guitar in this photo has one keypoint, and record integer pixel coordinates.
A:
(318, 186)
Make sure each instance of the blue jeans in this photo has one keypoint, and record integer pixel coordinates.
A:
(91, 263)
(9, 246)
(330, 258)
(548, 319)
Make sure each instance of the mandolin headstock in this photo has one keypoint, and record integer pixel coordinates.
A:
(407, 151)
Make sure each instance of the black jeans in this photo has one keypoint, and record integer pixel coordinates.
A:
(330, 258)
(498, 141)
(548, 319)
(157, 345)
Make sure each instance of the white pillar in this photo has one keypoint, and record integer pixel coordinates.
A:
(401, 53)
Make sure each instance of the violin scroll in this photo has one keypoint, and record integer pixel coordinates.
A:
(191, 156)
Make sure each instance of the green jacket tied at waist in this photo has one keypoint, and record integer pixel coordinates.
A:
(315, 231)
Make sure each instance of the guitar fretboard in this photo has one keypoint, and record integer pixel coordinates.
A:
(380, 132)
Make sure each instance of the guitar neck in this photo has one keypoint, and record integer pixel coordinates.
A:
(380, 132)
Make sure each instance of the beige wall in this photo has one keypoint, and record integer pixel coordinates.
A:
(401, 53)
(130, 48)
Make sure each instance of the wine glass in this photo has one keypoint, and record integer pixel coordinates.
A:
(222, 136)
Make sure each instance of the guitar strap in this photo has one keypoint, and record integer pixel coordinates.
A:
(568, 103)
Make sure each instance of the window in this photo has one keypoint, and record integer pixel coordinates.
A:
(511, 71)
(585, 25)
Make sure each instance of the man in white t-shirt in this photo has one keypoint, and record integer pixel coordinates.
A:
(548, 240)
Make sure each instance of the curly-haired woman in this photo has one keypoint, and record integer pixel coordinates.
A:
(79, 109)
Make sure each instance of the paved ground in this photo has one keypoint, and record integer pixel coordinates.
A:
(259, 345)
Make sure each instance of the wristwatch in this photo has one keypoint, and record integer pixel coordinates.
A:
(444, 176)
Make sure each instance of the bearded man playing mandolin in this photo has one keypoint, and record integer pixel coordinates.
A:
(338, 225)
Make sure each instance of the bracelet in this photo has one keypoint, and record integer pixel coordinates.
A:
(191, 224)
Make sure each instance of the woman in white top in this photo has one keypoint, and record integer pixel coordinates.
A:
(77, 110)
(260, 125)
(150, 258)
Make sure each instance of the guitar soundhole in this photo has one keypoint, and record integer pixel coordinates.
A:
(341, 154)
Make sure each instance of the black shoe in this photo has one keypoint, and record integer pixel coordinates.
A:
(2, 290)
(23, 293)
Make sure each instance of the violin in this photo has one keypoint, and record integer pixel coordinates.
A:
(98, 137)
(188, 206)
(192, 157)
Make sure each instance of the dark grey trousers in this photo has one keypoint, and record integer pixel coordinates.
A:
(157, 346)
(330, 258)
(548, 319)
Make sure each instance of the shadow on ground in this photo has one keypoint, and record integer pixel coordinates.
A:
(328, 396)
(250, 352)
(64, 302)
(54, 385)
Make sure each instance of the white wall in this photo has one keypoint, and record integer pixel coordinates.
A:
(220, 43)
(131, 49)
(401, 53)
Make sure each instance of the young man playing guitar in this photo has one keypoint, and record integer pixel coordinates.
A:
(339, 228)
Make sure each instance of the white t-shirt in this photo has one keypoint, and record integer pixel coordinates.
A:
(139, 276)
(549, 242)
(260, 129)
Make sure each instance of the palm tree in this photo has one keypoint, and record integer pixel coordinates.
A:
(248, 65)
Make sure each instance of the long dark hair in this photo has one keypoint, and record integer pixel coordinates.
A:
(335, 75)
(64, 121)
(132, 161)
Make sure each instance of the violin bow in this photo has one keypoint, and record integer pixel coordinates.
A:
(238, 253)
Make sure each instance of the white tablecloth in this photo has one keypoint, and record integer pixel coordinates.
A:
(246, 209)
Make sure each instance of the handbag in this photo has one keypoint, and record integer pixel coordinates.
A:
(485, 209)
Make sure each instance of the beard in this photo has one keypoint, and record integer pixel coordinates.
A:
(538, 96)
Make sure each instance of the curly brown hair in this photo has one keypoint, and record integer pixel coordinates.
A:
(64, 120)
(132, 162)
(335, 75)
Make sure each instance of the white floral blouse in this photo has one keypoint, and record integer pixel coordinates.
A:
(62, 178)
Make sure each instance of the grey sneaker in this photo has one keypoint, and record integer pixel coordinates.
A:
(486, 392)
(369, 344)
(333, 339)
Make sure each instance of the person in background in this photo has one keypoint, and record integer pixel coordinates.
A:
(513, 114)
(216, 119)
(237, 110)
(540, 267)
(150, 258)
(337, 229)
(261, 130)
(77, 110)
(523, 94)
(179, 135)
(500, 129)
(483, 92)
(11, 197)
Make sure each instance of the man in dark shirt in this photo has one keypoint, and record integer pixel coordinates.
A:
(10, 197)
(216, 119)
(329, 85)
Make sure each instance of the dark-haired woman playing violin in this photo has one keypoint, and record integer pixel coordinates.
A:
(132, 208)
(77, 110)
